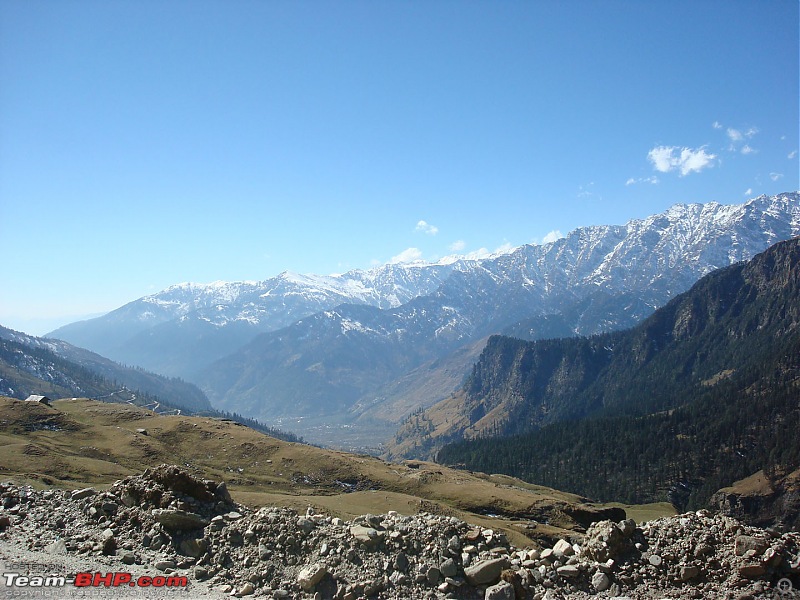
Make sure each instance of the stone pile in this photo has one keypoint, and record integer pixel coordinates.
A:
(173, 523)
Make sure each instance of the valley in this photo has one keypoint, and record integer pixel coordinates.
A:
(77, 442)
(368, 348)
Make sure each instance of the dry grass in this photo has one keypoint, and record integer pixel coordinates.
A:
(79, 442)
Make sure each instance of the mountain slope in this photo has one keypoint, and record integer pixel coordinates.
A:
(178, 331)
(79, 442)
(595, 279)
(52, 367)
(704, 391)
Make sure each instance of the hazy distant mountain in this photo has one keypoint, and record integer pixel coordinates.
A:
(178, 331)
(32, 365)
(595, 279)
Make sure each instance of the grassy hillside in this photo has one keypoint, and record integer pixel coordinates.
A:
(79, 442)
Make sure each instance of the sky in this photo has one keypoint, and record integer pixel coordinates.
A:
(151, 142)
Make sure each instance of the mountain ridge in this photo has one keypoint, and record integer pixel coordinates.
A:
(594, 279)
(700, 394)
(593, 268)
(48, 372)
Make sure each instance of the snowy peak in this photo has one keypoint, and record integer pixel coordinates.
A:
(680, 234)
(182, 329)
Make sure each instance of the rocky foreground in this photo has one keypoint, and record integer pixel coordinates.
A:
(167, 522)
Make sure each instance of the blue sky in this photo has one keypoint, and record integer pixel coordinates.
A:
(148, 143)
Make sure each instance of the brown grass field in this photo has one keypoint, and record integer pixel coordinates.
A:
(77, 442)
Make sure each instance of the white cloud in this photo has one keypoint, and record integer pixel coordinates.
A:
(653, 180)
(734, 135)
(792, 154)
(716, 125)
(737, 135)
(686, 160)
(775, 176)
(747, 149)
(552, 236)
(478, 254)
(406, 256)
(458, 246)
(427, 228)
(588, 191)
(749, 192)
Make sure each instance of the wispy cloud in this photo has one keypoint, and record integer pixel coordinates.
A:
(458, 246)
(632, 181)
(406, 256)
(588, 192)
(504, 248)
(792, 154)
(737, 136)
(552, 236)
(775, 176)
(427, 228)
(748, 192)
(734, 135)
(716, 125)
(666, 159)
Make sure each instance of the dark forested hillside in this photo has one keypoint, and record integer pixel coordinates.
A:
(28, 370)
(55, 362)
(705, 391)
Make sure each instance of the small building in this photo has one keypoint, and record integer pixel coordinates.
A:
(39, 399)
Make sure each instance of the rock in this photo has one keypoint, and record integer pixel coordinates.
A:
(600, 581)
(688, 572)
(372, 588)
(627, 527)
(84, 493)
(486, 572)
(500, 591)
(745, 543)
(179, 520)
(57, 547)
(655, 560)
(563, 548)
(368, 536)
(163, 565)
(281, 554)
(246, 590)
(193, 547)
(305, 525)
(568, 571)
(433, 575)
(752, 571)
(449, 568)
(310, 576)
(401, 562)
(603, 540)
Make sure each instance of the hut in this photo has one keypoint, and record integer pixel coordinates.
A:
(39, 399)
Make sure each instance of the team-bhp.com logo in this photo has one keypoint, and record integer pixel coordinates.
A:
(785, 591)
(113, 579)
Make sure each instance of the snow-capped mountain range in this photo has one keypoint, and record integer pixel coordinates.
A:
(309, 345)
